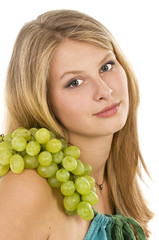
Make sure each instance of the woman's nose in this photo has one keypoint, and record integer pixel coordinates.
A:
(101, 90)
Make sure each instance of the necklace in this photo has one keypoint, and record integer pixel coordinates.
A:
(100, 185)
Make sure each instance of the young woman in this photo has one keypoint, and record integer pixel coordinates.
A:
(68, 74)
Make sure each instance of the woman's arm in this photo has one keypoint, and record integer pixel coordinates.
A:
(24, 206)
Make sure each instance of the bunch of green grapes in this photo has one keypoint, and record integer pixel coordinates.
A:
(54, 160)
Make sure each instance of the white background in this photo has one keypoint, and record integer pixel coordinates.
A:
(135, 25)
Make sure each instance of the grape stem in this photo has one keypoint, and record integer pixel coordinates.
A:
(1, 138)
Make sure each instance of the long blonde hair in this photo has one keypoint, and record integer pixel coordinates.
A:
(28, 103)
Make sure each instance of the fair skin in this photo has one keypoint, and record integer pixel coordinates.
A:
(76, 105)
(29, 208)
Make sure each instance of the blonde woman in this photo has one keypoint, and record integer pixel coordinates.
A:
(68, 74)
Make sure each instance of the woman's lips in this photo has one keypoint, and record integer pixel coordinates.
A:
(108, 111)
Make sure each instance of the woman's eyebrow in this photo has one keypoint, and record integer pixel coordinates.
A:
(71, 72)
(109, 54)
(79, 71)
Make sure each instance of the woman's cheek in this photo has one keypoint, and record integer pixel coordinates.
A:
(122, 85)
(66, 105)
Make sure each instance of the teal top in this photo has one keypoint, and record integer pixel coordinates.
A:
(113, 227)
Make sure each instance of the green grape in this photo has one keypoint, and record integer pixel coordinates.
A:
(23, 132)
(33, 148)
(53, 145)
(8, 138)
(71, 202)
(45, 158)
(62, 175)
(44, 152)
(85, 211)
(30, 162)
(64, 143)
(52, 135)
(91, 198)
(82, 185)
(68, 188)
(90, 180)
(48, 171)
(94, 189)
(17, 163)
(54, 183)
(33, 131)
(42, 136)
(72, 151)
(57, 157)
(79, 169)
(87, 169)
(5, 157)
(69, 163)
(3, 169)
(19, 143)
(32, 138)
(4, 146)
(70, 213)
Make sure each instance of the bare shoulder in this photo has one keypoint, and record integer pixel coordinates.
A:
(24, 206)
(27, 186)
(31, 209)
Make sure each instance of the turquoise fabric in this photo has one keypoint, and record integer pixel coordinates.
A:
(113, 227)
(97, 228)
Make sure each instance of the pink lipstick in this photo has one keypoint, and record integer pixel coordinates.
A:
(108, 111)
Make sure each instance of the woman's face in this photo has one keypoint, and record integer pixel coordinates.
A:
(88, 89)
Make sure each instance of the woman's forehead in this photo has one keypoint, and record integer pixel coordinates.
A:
(76, 55)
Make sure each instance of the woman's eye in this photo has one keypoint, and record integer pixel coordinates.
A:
(107, 67)
(75, 83)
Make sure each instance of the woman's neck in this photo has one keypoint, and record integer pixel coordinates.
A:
(95, 151)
